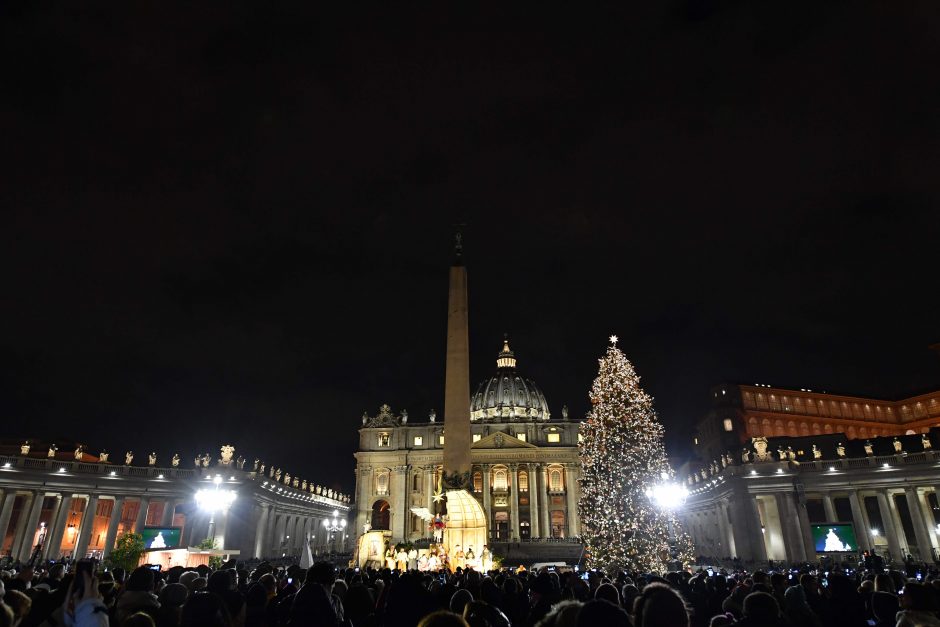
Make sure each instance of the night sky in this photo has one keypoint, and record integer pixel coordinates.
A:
(233, 222)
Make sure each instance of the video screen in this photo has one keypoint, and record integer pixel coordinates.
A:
(161, 538)
(834, 538)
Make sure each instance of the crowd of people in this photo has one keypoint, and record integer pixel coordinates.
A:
(275, 596)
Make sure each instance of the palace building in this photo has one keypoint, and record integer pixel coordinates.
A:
(524, 463)
(774, 464)
(742, 412)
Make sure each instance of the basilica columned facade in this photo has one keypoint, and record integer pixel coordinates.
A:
(524, 462)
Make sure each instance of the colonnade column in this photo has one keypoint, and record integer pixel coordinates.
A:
(84, 533)
(487, 501)
(26, 548)
(545, 523)
(829, 509)
(53, 516)
(142, 514)
(533, 471)
(169, 511)
(746, 528)
(571, 490)
(930, 521)
(54, 543)
(920, 528)
(887, 518)
(792, 535)
(861, 522)
(20, 529)
(6, 512)
(514, 502)
(111, 537)
(260, 530)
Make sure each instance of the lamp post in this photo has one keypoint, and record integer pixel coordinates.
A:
(213, 501)
(332, 526)
(669, 497)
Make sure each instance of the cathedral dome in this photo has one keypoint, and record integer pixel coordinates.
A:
(507, 395)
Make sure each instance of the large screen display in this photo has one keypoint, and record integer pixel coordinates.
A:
(834, 538)
(161, 538)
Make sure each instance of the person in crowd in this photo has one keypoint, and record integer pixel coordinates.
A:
(918, 606)
(659, 605)
(760, 610)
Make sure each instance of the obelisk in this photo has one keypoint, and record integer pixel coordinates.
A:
(457, 378)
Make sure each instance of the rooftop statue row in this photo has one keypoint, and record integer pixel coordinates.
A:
(301, 484)
(760, 452)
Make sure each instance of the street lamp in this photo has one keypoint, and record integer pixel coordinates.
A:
(213, 501)
(333, 526)
(668, 496)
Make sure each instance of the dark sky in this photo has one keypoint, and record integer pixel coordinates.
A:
(231, 222)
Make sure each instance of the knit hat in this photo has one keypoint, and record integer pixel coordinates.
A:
(174, 595)
(188, 578)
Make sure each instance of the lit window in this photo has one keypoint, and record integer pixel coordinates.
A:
(554, 438)
(729, 426)
(554, 481)
(695, 441)
(419, 440)
(381, 483)
(384, 439)
(523, 482)
(521, 436)
(478, 481)
(580, 437)
(440, 440)
(499, 480)
(477, 437)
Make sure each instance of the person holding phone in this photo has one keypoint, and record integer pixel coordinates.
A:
(83, 604)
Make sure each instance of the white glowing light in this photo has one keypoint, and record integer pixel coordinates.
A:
(668, 495)
(215, 500)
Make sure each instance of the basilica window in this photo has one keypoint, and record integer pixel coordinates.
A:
(500, 481)
(554, 480)
(419, 440)
(385, 439)
(381, 482)
(440, 440)
(477, 437)
(728, 425)
(521, 436)
(523, 482)
(478, 481)
(554, 438)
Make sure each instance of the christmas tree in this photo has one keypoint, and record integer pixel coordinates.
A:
(625, 477)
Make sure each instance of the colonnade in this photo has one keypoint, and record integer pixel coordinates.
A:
(26, 527)
(776, 525)
(281, 531)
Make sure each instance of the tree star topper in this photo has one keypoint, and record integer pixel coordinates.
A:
(614, 339)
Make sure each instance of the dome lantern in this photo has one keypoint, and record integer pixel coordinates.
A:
(508, 396)
(506, 358)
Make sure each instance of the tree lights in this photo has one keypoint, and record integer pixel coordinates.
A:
(628, 500)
